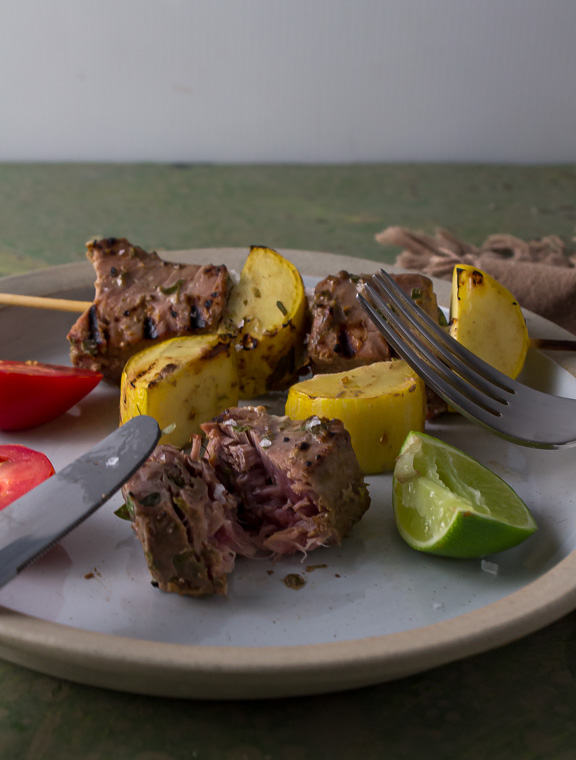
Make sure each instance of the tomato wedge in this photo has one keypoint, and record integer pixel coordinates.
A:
(21, 469)
(32, 393)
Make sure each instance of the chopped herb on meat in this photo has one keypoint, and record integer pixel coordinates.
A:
(167, 291)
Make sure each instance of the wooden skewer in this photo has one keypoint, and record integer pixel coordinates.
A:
(39, 302)
(553, 344)
(63, 304)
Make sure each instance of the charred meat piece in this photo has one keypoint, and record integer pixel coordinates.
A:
(299, 483)
(342, 335)
(139, 299)
(186, 522)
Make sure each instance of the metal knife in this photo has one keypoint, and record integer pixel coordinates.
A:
(39, 519)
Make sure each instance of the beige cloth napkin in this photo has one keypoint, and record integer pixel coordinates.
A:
(541, 273)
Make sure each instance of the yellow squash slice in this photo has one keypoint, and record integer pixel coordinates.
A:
(379, 405)
(268, 309)
(180, 382)
(486, 318)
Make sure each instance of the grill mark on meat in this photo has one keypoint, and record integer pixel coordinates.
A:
(344, 347)
(149, 330)
(93, 328)
(197, 321)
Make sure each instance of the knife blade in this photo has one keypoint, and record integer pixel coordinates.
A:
(39, 519)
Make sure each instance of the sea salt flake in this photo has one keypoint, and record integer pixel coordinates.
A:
(112, 461)
(489, 567)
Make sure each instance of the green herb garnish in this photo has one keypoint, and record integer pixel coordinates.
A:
(124, 513)
(442, 321)
(90, 346)
(172, 288)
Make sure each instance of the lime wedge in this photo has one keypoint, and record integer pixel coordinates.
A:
(447, 503)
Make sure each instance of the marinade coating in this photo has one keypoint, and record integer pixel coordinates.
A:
(298, 483)
(139, 299)
(342, 335)
(187, 523)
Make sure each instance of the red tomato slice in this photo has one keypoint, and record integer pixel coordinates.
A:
(32, 393)
(21, 469)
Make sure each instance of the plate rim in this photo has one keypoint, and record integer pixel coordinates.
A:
(215, 672)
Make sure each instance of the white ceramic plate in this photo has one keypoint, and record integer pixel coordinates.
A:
(370, 611)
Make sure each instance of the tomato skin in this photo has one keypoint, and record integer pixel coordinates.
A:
(21, 469)
(32, 393)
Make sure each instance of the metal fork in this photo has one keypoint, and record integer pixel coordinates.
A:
(481, 393)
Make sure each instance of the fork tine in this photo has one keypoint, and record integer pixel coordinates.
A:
(431, 345)
(459, 394)
(514, 411)
(428, 351)
(455, 354)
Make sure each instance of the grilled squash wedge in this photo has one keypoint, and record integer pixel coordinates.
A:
(379, 405)
(267, 311)
(486, 318)
(180, 382)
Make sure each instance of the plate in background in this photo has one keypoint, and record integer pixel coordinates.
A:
(371, 610)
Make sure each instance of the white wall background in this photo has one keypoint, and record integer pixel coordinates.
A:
(288, 80)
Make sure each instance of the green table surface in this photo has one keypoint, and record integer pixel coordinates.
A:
(518, 701)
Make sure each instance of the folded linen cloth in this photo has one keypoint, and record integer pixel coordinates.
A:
(540, 273)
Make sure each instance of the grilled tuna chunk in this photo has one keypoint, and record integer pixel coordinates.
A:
(299, 483)
(140, 298)
(186, 522)
(342, 335)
